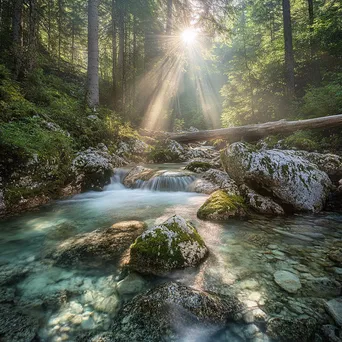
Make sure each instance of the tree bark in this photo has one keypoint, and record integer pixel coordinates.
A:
(114, 49)
(258, 131)
(17, 36)
(121, 56)
(93, 54)
(289, 58)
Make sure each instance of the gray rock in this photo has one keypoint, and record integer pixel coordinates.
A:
(131, 285)
(16, 326)
(170, 245)
(287, 281)
(334, 308)
(322, 287)
(107, 245)
(168, 311)
(6, 294)
(92, 168)
(261, 204)
(291, 179)
(294, 330)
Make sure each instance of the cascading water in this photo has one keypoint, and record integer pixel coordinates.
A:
(171, 181)
(168, 181)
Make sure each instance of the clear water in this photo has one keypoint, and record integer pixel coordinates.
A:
(244, 255)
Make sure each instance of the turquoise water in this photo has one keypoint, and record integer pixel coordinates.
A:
(243, 257)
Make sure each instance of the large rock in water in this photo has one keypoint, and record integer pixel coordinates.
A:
(93, 168)
(170, 311)
(107, 245)
(220, 207)
(288, 177)
(171, 245)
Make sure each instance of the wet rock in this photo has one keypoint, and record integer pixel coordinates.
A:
(93, 168)
(16, 326)
(261, 204)
(330, 163)
(294, 330)
(6, 294)
(169, 151)
(10, 274)
(334, 308)
(291, 179)
(322, 287)
(287, 281)
(332, 333)
(221, 207)
(139, 173)
(132, 284)
(106, 245)
(168, 311)
(223, 180)
(170, 245)
(336, 255)
(203, 186)
(199, 165)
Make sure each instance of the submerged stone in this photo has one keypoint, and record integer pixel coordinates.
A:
(334, 308)
(220, 207)
(168, 311)
(16, 326)
(98, 246)
(170, 245)
(287, 281)
(294, 330)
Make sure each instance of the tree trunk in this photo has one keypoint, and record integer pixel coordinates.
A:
(121, 57)
(17, 36)
(258, 131)
(114, 49)
(289, 58)
(169, 19)
(60, 11)
(93, 54)
(32, 35)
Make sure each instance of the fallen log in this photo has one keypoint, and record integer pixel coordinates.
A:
(258, 131)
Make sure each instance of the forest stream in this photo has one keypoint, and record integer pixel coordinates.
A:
(244, 256)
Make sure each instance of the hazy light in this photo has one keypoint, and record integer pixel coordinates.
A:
(189, 36)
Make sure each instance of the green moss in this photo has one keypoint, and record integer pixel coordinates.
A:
(203, 166)
(220, 203)
(302, 141)
(156, 247)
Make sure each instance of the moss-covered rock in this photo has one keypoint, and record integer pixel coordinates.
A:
(293, 180)
(168, 151)
(220, 207)
(171, 245)
(198, 166)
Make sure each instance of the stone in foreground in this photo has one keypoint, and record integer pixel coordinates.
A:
(107, 245)
(221, 207)
(287, 281)
(292, 179)
(334, 307)
(294, 330)
(169, 312)
(171, 245)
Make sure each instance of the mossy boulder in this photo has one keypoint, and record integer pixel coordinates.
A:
(173, 244)
(291, 179)
(168, 151)
(198, 166)
(220, 207)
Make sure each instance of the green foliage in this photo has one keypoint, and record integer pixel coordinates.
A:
(301, 141)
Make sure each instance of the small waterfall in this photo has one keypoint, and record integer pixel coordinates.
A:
(168, 181)
(116, 182)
